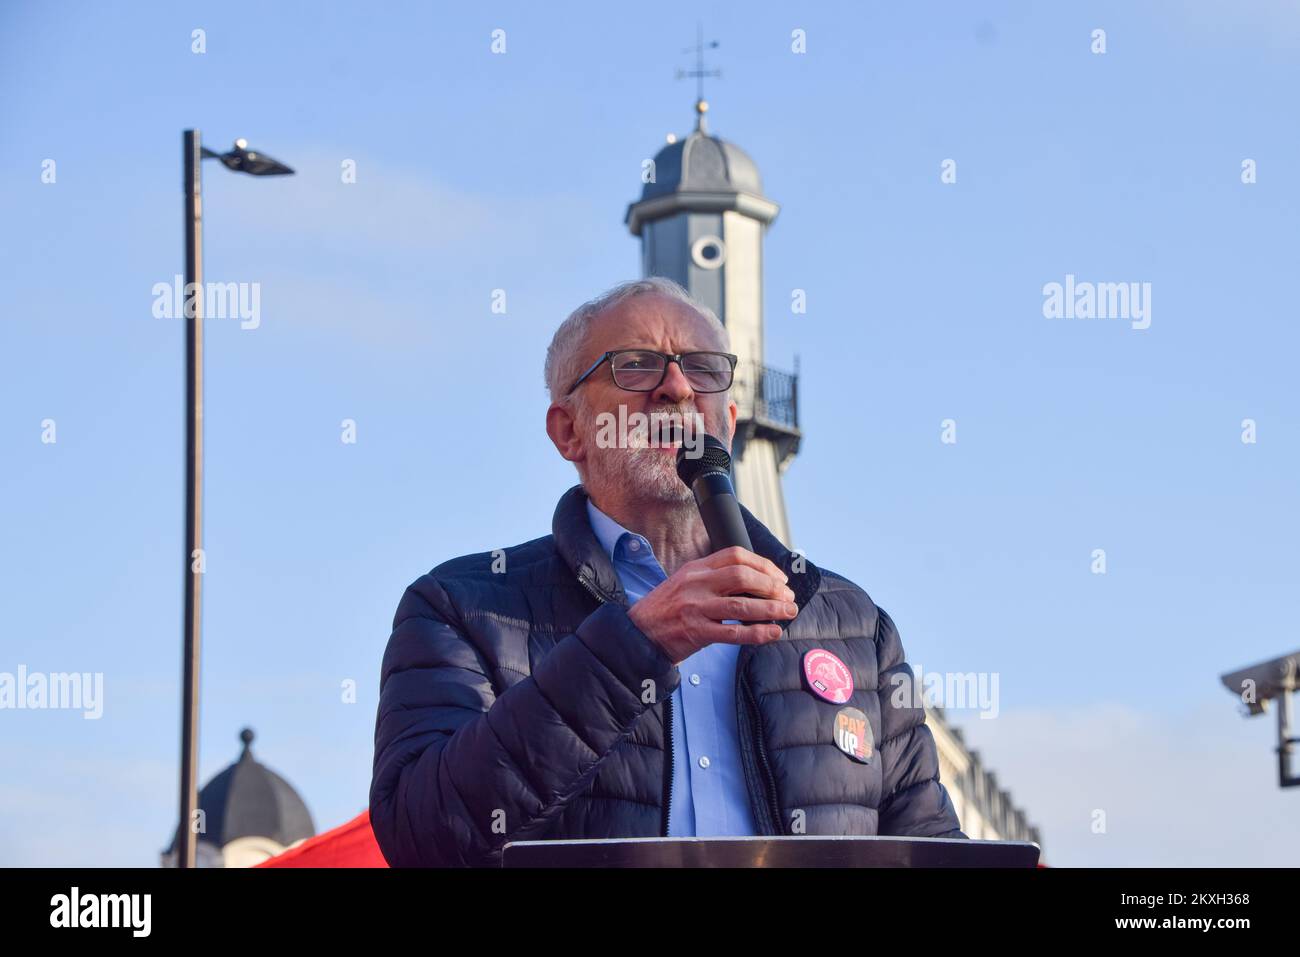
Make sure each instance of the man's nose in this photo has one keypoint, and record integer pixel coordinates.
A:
(674, 388)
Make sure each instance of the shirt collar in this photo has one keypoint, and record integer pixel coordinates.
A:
(573, 538)
(614, 538)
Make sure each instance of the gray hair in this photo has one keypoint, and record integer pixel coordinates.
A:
(564, 356)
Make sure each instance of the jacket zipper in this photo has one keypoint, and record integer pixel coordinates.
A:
(668, 763)
(592, 588)
(668, 730)
(754, 733)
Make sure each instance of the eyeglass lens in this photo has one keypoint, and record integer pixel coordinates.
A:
(642, 371)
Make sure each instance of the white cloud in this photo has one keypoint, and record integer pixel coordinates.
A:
(402, 211)
(401, 258)
(86, 812)
(1195, 787)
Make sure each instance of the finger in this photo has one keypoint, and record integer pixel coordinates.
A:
(745, 608)
(743, 580)
(755, 634)
(735, 555)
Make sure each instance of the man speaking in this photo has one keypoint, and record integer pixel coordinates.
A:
(620, 678)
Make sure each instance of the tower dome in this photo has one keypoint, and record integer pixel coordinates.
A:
(249, 813)
(700, 173)
(702, 162)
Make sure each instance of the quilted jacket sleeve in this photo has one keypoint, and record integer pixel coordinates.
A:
(915, 804)
(460, 771)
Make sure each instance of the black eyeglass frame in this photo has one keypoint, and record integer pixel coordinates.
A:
(668, 358)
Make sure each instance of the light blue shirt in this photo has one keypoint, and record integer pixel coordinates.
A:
(709, 794)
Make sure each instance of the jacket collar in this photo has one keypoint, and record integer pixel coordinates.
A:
(584, 554)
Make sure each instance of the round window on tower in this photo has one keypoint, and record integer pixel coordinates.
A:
(708, 252)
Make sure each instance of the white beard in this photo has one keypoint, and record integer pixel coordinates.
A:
(650, 472)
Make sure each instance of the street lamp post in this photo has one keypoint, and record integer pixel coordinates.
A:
(1272, 682)
(239, 159)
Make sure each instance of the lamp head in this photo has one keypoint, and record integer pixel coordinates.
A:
(243, 160)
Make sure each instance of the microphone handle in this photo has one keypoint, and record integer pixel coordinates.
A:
(715, 497)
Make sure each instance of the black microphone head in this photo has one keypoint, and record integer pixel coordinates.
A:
(713, 457)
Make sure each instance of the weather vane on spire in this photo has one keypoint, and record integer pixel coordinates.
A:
(699, 73)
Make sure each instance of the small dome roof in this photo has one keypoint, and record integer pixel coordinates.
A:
(248, 799)
(703, 163)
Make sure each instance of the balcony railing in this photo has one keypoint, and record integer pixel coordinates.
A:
(767, 403)
(767, 395)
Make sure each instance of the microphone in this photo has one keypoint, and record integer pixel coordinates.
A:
(709, 477)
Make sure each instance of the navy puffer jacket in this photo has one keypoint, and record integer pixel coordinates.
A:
(519, 702)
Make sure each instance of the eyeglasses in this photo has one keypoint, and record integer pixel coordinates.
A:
(642, 370)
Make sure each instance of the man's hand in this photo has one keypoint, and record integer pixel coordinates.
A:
(686, 611)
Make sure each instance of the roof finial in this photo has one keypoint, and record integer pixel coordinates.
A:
(247, 737)
(701, 105)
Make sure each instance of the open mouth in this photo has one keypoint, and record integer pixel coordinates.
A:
(669, 438)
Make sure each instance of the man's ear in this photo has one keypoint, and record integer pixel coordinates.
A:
(731, 421)
(562, 428)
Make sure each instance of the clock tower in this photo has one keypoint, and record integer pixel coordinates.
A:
(701, 220)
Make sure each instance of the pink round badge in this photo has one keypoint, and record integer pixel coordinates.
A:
(828, 677)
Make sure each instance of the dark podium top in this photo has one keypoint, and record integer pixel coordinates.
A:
(810, 851)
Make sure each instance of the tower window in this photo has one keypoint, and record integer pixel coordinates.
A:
(708, 252)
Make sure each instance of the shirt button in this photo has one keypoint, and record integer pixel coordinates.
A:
(704, 762)
(634, 545)
(695, 679)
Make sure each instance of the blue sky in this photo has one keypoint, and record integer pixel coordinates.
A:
(478, 172)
